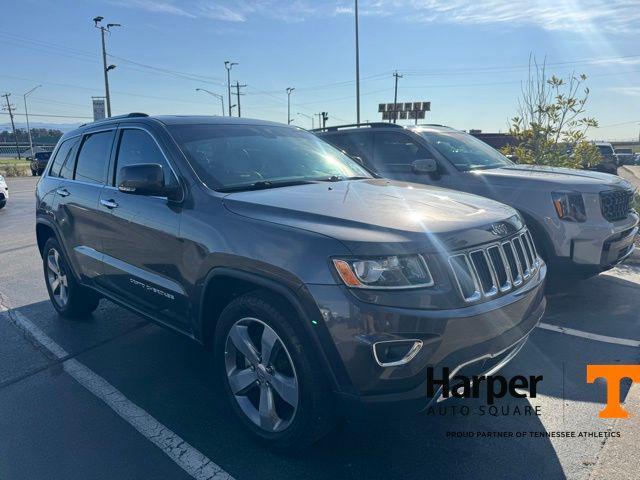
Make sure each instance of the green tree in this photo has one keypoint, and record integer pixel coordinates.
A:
(551, 125)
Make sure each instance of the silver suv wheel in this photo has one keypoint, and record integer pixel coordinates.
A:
(57, 278)
(261, 374)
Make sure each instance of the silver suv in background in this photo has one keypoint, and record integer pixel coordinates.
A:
(582, 221)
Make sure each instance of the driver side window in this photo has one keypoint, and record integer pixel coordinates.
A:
(137, 146)
(397, 151)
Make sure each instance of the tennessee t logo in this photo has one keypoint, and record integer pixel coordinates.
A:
(613, 374)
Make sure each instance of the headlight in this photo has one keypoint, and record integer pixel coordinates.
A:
(396, 271)
(569, 206)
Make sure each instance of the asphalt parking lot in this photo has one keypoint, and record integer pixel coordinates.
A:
(116, 397)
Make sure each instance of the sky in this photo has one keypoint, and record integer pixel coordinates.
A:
(468, 58)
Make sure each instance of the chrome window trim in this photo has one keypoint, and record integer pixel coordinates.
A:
(120, 129)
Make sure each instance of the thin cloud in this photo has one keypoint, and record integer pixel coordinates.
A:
(629, 91)
(608, 16)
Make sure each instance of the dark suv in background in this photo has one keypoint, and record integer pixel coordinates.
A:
(38, 162)
(324, 290)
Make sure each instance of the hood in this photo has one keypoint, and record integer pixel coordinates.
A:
(535, 176)
(371, 216)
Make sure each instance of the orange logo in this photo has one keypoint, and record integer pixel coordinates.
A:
(613, 374)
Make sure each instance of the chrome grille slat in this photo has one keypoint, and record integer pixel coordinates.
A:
(496, 268)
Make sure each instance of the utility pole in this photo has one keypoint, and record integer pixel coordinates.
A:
(26, 112)
(8, 107)
(289, 90)
(395, 97)
(309, 117)
(357, 69)
(238, 87)
(218, 96)
(105, 68)
(228, 64)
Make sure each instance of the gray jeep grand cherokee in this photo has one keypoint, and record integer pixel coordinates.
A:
(323, 290)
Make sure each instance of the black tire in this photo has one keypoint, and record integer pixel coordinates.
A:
(34, 173)
(315, 413)
(3, 203)
(80, 301)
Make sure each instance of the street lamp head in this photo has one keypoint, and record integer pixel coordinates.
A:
(110, 67)
(109, 25)
(97, 20)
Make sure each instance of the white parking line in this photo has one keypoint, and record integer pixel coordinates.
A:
(590, 336)
(184, 455)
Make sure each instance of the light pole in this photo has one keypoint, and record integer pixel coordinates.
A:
(357, 68)
(289, 90)
(26, 113)
(229, 65)
(310, 117)
(106, 68)
(218, 96)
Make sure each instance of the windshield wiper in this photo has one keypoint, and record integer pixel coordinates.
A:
(263, 185)
(338, 178)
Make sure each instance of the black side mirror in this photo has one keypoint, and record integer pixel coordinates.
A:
(144, 179)
(426, 165)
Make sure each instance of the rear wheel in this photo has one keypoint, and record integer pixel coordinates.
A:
(69, 298)
(271, 381)
(34, 172)
(2, 203)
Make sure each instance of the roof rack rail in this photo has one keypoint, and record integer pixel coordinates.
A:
(116, 117)
(335, 128)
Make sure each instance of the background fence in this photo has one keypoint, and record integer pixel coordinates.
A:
(9, 150)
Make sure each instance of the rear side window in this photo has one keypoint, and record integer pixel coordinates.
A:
(94, 157)
(137, 146)
(355, 144)
(63, 162)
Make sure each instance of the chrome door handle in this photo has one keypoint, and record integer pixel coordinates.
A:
(109, 203)
(63, 192)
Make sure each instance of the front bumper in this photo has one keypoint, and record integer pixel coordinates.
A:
(606, 246)
(478, 337)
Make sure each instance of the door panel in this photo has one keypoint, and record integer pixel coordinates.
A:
(141, 241)
(76, 202)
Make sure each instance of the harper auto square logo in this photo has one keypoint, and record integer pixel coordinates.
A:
(613, 374)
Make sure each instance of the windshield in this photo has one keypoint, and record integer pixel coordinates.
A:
(464, 151)
(237, 156)
(605, 149)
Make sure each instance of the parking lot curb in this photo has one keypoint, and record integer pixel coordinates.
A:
(619, 457)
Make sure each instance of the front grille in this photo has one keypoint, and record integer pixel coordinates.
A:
(616, 204)
(496, 268)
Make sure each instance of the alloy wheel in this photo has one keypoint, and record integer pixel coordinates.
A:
(261, 374)
(57, 278)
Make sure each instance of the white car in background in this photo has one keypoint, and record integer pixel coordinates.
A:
(4, 192)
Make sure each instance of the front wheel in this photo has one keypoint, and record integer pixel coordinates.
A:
(2, 203)
(69, 298)
(272, 382)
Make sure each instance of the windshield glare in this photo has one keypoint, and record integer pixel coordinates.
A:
(233, 156)
(464, 151)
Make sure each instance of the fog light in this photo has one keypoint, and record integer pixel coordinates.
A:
(392, 353)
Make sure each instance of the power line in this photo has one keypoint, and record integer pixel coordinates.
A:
(46, 115)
